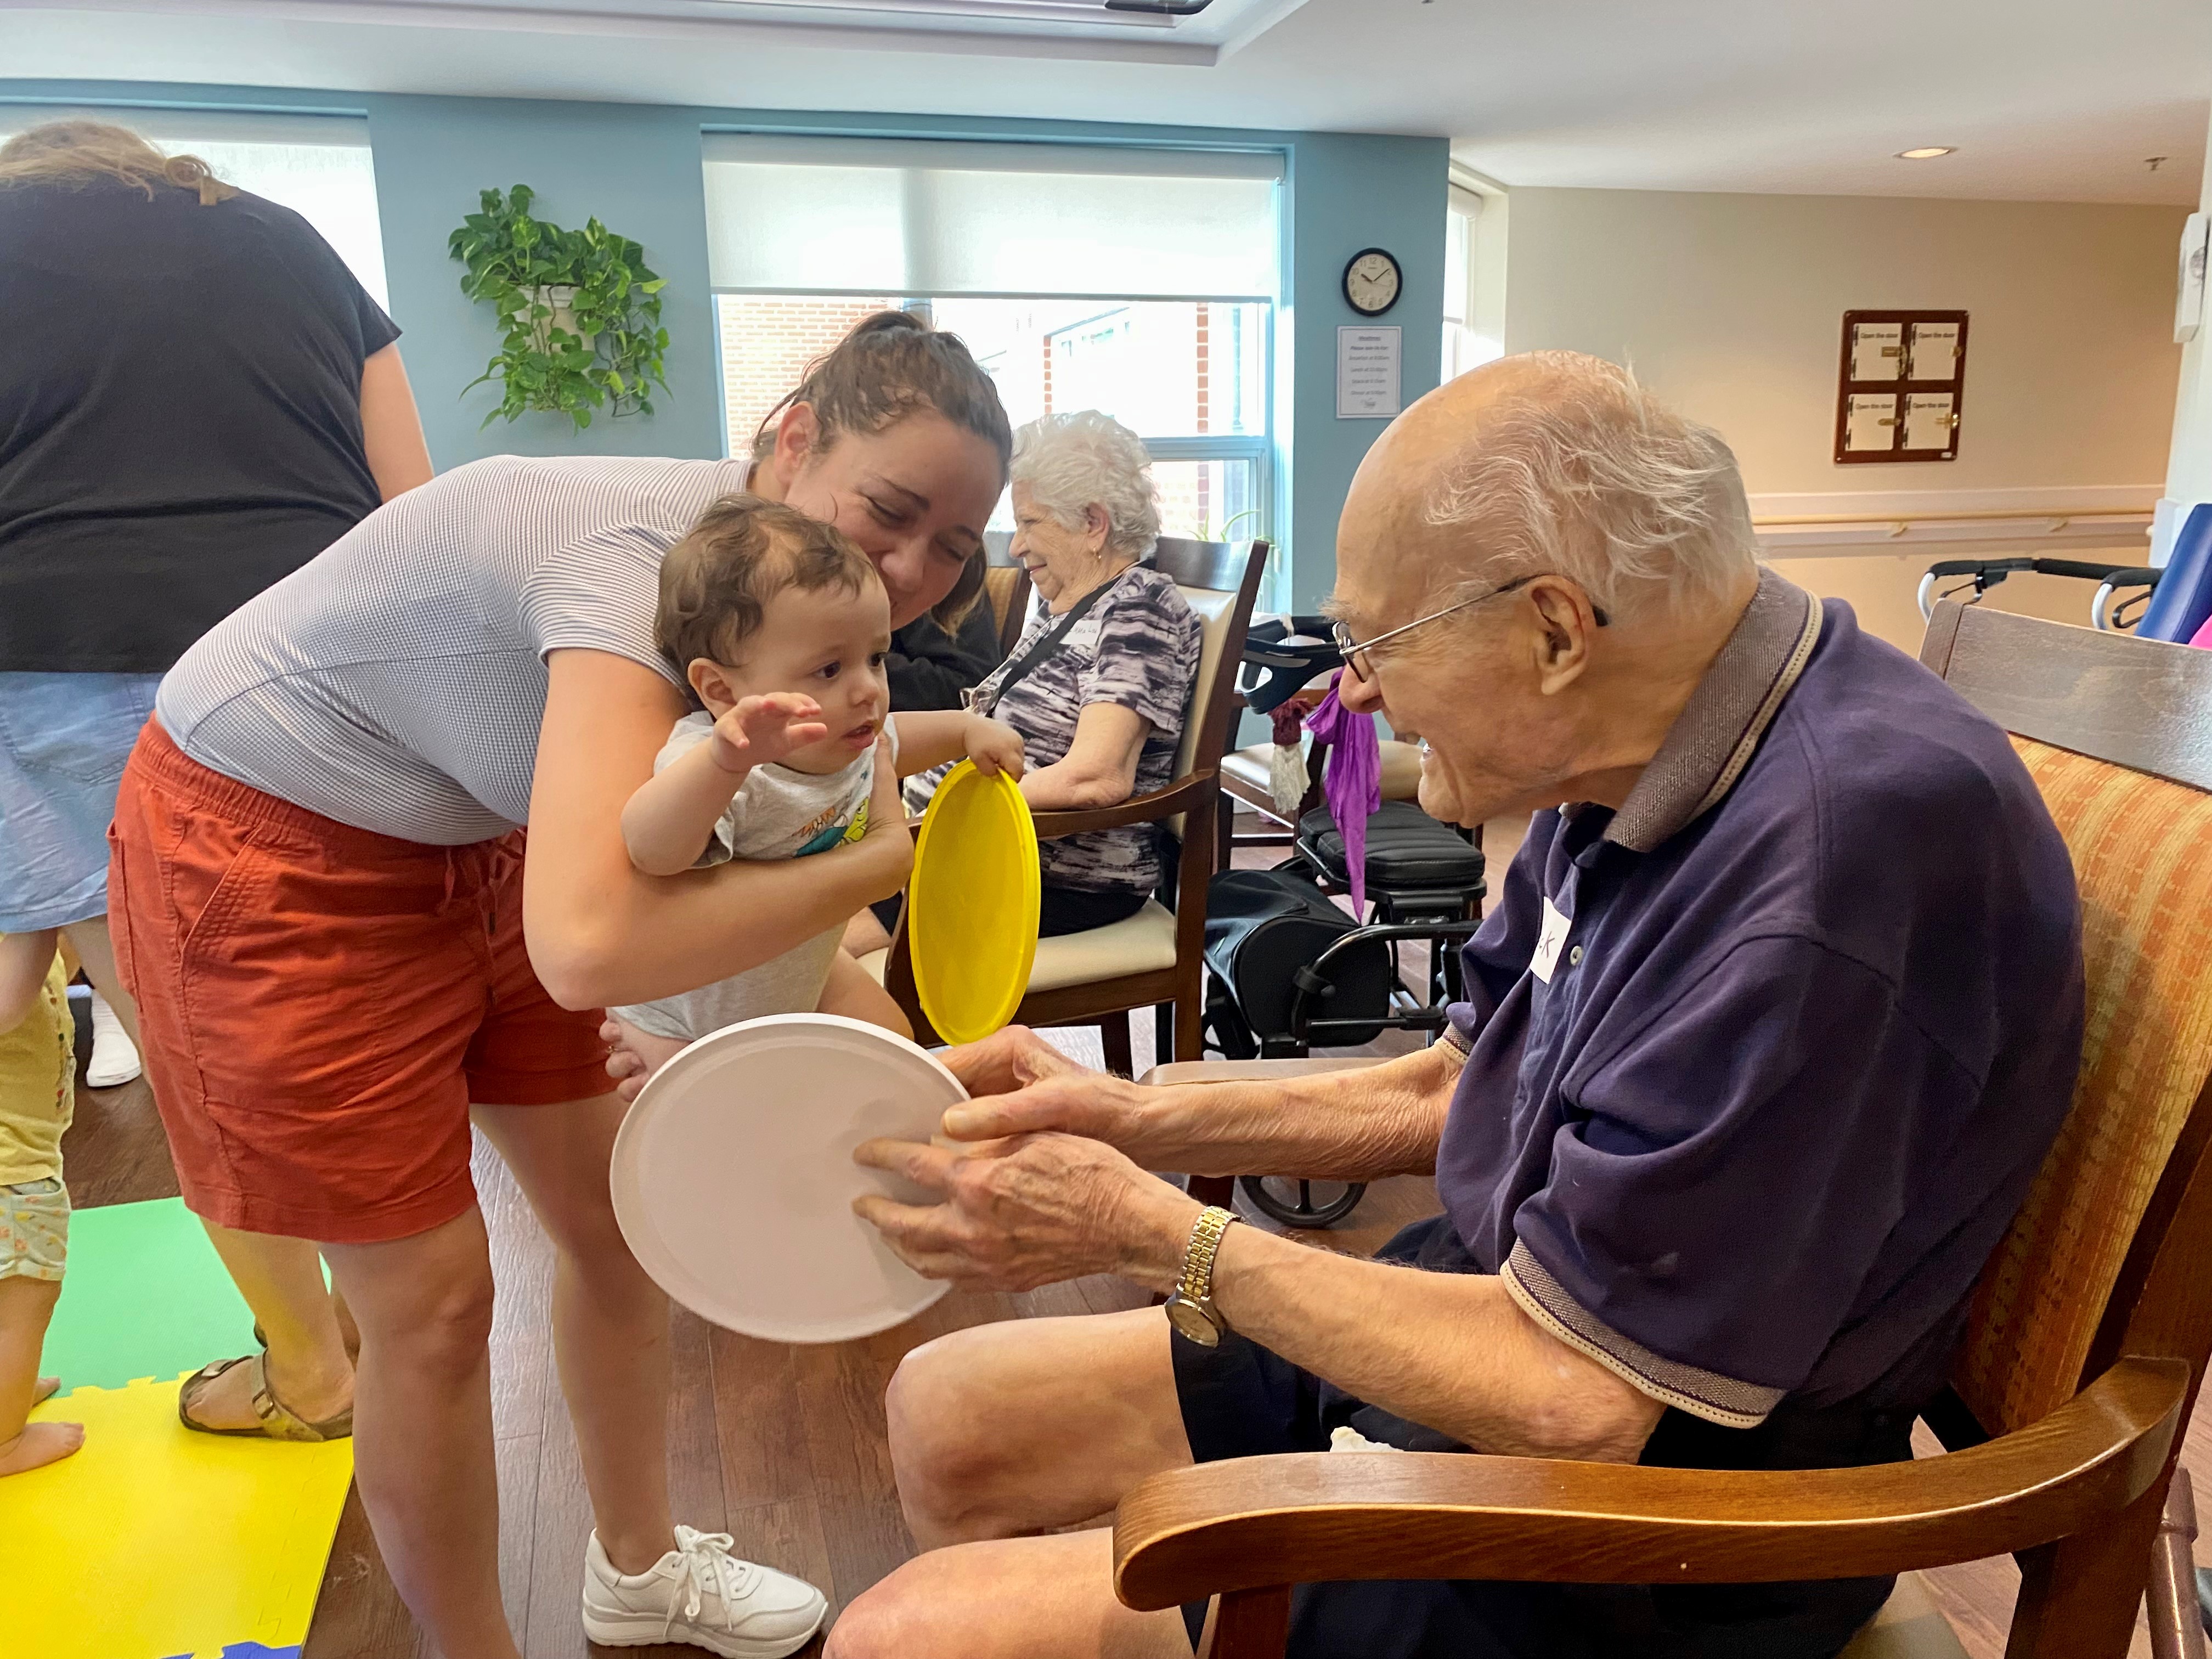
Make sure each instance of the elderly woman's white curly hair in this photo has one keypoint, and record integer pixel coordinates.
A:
(1069, 463)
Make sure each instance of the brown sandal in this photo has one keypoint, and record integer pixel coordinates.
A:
(278, 1421)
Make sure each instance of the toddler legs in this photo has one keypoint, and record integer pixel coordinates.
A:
(638, 1054)
(26, 1305)
(852, 994)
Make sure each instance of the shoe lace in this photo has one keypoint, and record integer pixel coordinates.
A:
(704, 1563)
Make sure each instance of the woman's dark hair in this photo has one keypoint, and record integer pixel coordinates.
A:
(948, 613)
(890, 365)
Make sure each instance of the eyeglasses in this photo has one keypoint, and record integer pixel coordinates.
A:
(1355, 651)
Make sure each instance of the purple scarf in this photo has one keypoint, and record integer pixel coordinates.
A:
(1352, 783)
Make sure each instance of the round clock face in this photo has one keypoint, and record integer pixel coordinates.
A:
(1370, 283)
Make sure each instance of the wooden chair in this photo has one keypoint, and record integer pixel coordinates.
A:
(2089, 1328)
(1007, 586)
(1154, 958)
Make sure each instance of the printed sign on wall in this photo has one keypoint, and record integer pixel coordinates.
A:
(1901, 385)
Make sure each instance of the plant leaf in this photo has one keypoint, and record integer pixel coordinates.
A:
(608, 356)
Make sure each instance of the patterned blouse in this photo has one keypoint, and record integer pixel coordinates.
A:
(1137, 648)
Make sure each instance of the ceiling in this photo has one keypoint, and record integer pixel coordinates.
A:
(2045, 100)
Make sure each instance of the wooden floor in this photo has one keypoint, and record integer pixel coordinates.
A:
(783, 1447)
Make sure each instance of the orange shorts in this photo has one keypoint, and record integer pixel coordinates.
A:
(318, 1004)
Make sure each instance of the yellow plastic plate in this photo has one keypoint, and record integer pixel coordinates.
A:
(971, 914)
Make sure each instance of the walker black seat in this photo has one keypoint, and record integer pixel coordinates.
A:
(1425, 882)
(1418, 862)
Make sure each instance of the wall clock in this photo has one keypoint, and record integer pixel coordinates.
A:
(1371, 282)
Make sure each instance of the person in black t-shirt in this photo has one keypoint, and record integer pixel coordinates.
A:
(196, 398)
(930, 665)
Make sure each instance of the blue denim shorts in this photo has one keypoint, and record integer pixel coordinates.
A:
(64, 738)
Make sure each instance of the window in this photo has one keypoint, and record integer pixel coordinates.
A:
(1140, 283)
(1474, 281)
(1190, 376)
(319, 165)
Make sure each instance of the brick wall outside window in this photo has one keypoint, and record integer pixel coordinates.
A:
(767, 343)
(768, 340)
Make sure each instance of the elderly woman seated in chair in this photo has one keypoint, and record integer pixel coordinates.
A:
(1099, 683)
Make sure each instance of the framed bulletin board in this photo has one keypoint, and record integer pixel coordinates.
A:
(1901, 386)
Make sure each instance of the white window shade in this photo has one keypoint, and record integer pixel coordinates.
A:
(1471, 316)
(1463, 208)
(319, 165)
(834, 215)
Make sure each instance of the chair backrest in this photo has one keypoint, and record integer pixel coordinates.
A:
(2104, 1257)
(1220, 581)
(1007, 586)
(1008, 591)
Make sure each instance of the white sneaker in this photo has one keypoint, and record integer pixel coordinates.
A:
(700, 1593)
(114, 1061)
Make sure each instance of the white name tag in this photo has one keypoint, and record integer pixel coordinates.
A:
(1083, 639)
(1549, 942)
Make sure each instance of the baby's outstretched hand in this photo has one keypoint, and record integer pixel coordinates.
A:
(993, 746)
(759, 730)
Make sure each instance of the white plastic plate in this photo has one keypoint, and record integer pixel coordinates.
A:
(733, 1175)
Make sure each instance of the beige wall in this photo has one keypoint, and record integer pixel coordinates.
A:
(2189, 475)
(1881, 589)
(1732, 306)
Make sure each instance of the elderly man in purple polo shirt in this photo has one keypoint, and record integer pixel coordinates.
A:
(1776, 1017)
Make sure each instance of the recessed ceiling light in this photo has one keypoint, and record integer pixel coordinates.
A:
(1925, 153)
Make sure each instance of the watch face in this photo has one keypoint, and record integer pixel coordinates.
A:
(1370, 283)
(1186, 1316)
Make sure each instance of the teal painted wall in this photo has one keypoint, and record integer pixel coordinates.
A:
(1349, 191)
(637, 167)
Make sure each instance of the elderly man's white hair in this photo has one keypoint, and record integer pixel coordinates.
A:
(1578, 470)
(1071, 462)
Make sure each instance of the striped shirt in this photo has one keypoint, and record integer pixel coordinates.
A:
(397, 681)
(1137, 648)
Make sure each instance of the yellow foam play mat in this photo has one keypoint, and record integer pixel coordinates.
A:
(153, 1543)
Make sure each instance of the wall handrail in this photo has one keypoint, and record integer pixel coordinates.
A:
(2096, 514)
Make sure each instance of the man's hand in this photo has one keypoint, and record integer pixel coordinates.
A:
(993, 745)
(1031, 1211)
(1019, 1084)
(758, 730)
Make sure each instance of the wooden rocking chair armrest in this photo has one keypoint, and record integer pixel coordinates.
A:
(1180, 796)
(1255, 1523)
(1256, 1071)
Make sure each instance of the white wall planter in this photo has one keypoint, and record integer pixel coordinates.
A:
(562, 301)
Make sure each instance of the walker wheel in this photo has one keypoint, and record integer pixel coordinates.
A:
(1302, 1204)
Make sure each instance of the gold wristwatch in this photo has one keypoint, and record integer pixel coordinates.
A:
(1191, 1309)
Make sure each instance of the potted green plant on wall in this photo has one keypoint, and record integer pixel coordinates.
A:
(581, 312)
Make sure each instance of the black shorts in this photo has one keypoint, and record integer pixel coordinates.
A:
(1242, 1401)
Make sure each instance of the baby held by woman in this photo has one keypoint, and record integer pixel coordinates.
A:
(779, 626)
